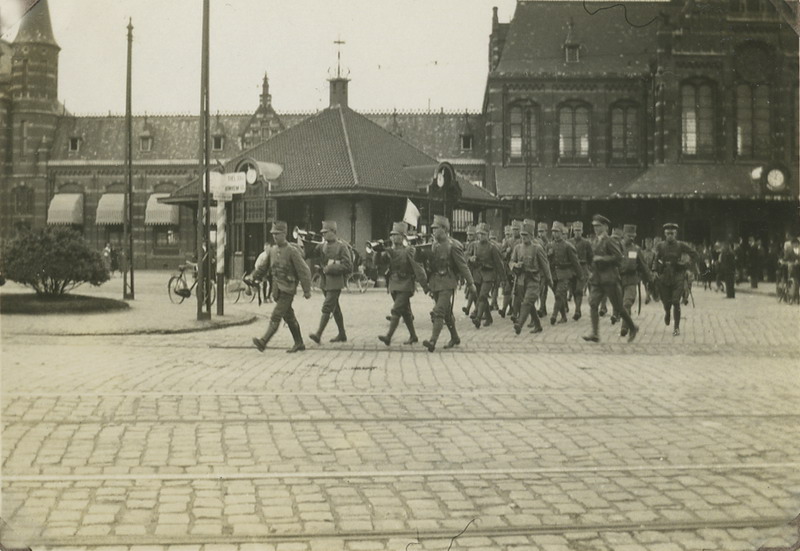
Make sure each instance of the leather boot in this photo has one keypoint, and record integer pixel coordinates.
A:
(339, 319)
(524, 311)
(454, 339)
(323, 321)
(666, 313)
(387, 339)
(298, 346)
(578, 301)
(430, 344)
(677, 316)
(409, 321)
(593, 336)
(535, 323)
(261, 343)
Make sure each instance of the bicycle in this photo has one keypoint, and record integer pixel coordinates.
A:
(243, 289)
(178, 288)
(358, 280)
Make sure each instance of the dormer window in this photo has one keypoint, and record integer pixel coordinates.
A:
(573, 53)
(466, 142)
(217, 143)
(145, 143)
(74, 144)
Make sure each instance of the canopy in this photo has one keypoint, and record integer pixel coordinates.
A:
(66, 209)
(159, 214)
(110, 209)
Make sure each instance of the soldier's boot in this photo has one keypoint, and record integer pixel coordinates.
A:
(387, 339)
(299, 345)
(535, 323)
(506, 303)
(524, 311)
(430, 344)
(454, 338)
(677, 316)
(323, 321)
(667, 306)
(479, 314)
(578, 302)
(261, 343)
(627, 321)
(409, 321)
(593, 336)
(564, 310)
(466, 309)
(339, 319)
(603, 310)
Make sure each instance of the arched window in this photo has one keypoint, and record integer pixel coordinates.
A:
(573, 132)
(523, 126)
(625, 133)
(697, 119)
(23, 200)
(752, 121)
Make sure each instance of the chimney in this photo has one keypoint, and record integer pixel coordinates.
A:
(338, 91)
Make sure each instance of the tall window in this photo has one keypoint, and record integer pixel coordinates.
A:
(523, 126)
(573, 133)
(23, 200)
(624, 133)
(697, 120)
(752, 121)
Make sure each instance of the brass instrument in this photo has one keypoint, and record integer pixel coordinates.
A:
(377, 246)
(307, 237)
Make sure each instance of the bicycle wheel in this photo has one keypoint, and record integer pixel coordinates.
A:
(176, 283)
(233, 291)
(212, 290)
(250, 293)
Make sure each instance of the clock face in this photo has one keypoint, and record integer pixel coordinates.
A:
(251, 175)
(776, 181)
(440, 179)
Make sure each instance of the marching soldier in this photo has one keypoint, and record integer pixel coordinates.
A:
(605, 281)
(404, 273)
(670, 273)
(564, 265)
(633, 270)
(445, 263)
(496, 289)
(511, 240)
(285, 262)
(468, 252)
(584, 251)
(649, 254)
(335, 260)
(487, 268)
(530, 267)
(544, 241)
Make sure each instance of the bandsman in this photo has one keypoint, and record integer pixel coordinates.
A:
(446, 263)
(403, 275)
(285, 263)
(531, 270)
(564, 265)
(670, 273)
(487, 268)
(633, 271)
(584, 251)
(335, 260)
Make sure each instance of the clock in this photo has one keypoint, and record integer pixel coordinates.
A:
(251, 175)
(440, 179)
(776, 180)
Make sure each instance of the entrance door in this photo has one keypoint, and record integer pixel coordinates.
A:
(253, 243)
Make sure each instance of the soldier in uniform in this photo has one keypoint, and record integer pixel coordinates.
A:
(632, 271)
(670, 273)
(649, 254)
(511, 240)
(544, 241)
(285, 262)
(404, 273)
(468, 252)
(584, 251)
(487, 268)
(531, 269)
(334, 258)
(605, 281)
(446, 263)
(496, 289)
(564, 265)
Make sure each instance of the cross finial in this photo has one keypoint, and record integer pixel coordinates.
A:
(339, 42)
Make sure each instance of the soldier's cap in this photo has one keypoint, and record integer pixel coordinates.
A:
(278, 226)
(483, 227)
(529, 221)
(399, 228)
(542, 226)
(577, 226)
(470, 228)
(670, 226)
(600, 219)
(516, 224)
(557, 226)
(329, 225)
(507, 229)
(493, 235)
(616, 232)
(440, 221)
(629, 229)
(527, 229)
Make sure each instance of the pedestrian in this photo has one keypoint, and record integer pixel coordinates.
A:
(336, 262)
(727, 269)
(446, 263)
(565, 265)
(403, 274)
(486, 264)
(531, 269)
(584, 251)
(671, 273)
(633, 271)
(285, 263)
(107, 257)
(605, 280)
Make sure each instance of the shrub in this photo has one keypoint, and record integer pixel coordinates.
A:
(53, 261)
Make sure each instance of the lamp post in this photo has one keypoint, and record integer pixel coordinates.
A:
(203, 199)
(127, 286)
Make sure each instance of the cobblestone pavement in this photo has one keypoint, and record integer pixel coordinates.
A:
(197, 442)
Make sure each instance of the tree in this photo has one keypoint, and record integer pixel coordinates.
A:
(53, 261)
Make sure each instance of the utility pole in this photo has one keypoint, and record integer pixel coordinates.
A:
(203, 200)
(127, 290)
(527, 203)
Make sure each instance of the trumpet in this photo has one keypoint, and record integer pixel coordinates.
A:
(377, 246)
(307, 236)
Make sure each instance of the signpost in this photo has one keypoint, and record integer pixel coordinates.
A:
(224, 187)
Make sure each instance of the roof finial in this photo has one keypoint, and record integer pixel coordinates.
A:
(570, 31)
(339, 42)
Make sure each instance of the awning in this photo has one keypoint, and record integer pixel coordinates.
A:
(159, 214)
(110, 209)
(66, 209)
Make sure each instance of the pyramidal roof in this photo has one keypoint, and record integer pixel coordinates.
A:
(35, 26)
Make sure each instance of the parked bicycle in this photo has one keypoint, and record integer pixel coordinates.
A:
(179, 289)
(245, 290)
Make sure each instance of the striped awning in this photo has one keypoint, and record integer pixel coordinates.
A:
(110, 209)
(66, 209)
(159, 214)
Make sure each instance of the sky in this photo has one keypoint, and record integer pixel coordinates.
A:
(400, 54)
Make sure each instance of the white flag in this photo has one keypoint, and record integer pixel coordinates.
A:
(412, 215)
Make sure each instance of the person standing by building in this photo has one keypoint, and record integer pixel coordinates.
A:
(487, 268)
(584, 251)
(565, 265)
(605, 280)
(403, 275)
(531, 270)
(726, 269)
(336, 264)
(285, 263)
(633, 271)
(107, 257)
(671, 273)
(446, 263)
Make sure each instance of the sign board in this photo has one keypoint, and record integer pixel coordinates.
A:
(222, 196)
(232, 183)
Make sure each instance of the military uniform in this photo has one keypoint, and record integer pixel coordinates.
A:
(544, 241)
(632, 271)
(403, 275)
(649, 255)
(583, 248)
(287, 268)
(511, 240)
(337, 264)
(468, 252)
(446, 263)
(531, 269)
(564, 265)
(671, 270)
(487, 268)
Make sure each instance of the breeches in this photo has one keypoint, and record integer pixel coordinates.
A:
(443, 305)
(562, 286)
(331, 302)
(402, 304)
(283, 307)
(600, 291)
(628, 296)
(529, 291)
(671, 291)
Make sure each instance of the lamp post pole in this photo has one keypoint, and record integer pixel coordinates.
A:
(127, 291)
(203, 199)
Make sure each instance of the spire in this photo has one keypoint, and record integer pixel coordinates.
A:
(570, 40)
(35, 26)
(265, 98)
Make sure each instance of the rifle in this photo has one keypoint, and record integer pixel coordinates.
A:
(639, 291)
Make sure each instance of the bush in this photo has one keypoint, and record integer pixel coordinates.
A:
(53, 261)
